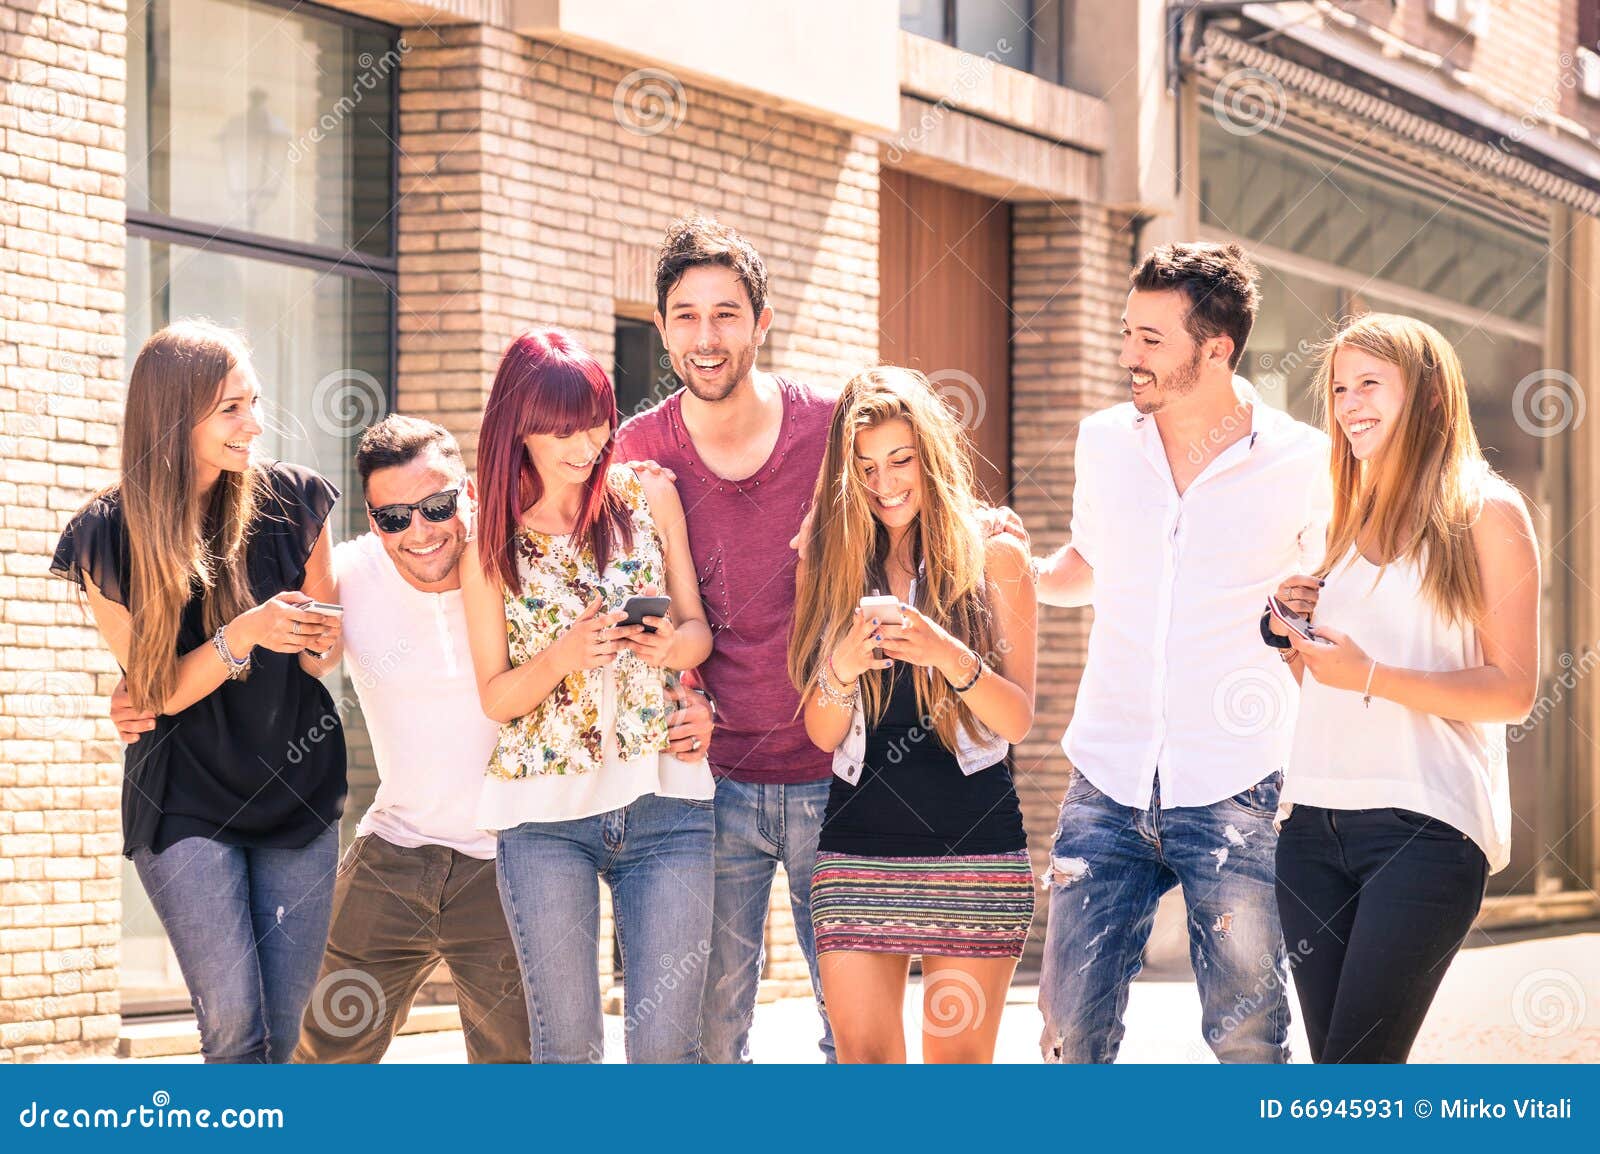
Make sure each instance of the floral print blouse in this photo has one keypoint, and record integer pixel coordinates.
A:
(563, 734)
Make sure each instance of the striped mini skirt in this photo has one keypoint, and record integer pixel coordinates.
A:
(954, 907)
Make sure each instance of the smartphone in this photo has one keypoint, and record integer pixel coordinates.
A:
(326, 610)
(1292, 621)
(885, 609)
(638, 608)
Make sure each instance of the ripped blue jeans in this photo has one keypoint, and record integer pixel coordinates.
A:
(1109, 867)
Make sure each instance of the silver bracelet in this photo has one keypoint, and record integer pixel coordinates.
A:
(237, 667)
(830, 695)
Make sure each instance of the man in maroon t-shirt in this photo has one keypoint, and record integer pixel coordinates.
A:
(746, 447)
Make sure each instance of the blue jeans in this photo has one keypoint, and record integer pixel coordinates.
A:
(1108, 869)
(249, 927)
(655, 854)
(758, 826)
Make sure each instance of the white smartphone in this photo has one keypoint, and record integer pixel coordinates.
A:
(885, 609)
(327, 610)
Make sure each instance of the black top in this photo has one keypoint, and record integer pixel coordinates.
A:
(912, 800)
(257, 762)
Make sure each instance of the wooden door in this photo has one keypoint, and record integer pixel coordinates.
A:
(944, 306)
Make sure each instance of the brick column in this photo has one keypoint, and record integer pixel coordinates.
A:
(1069, 281)
(62, 92)
(528, 179)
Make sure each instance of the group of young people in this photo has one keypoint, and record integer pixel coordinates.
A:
(762, 623)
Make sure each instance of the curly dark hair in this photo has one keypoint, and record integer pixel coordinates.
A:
(699, 240)
(1219, 282)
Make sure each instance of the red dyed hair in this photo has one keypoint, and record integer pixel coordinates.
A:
(547, 383)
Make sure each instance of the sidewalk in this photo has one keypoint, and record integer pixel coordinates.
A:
(1531, 1000)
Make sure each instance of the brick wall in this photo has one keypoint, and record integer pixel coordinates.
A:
(62, 83)
(535, 183)
(1069, 281)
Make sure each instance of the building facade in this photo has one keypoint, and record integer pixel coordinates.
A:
(381, 193)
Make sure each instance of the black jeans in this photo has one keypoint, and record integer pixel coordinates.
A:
(1374, 904)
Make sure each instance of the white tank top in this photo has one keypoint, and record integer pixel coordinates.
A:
(1346, 756)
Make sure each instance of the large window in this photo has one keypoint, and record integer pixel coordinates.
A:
(1335, 240)
(1004, 30)
(260, 194)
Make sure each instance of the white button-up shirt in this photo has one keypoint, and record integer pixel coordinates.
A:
(1178, 680)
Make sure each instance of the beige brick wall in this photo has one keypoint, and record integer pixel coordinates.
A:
(62, 81)
(1525, 61)
(521, 185)
(1069, 278)
(530, 196)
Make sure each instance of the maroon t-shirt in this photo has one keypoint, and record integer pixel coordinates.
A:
(739, 533)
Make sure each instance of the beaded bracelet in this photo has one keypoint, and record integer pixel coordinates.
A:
(237, 667)
(830, 695)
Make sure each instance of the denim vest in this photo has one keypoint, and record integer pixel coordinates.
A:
(972, 755)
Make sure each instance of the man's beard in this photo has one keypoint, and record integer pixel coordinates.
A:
(741, 370)
(1181, 383)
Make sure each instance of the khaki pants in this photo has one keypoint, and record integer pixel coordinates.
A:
(397, 914)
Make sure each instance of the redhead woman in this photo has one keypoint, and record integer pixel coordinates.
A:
(581, 785)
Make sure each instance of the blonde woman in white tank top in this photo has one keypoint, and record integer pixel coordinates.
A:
(1395, 805)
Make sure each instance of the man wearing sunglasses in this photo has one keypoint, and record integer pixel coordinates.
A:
(417, 886)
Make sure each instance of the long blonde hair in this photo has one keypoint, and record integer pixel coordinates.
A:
(176, 539)
(848, 546)
(1421, 496)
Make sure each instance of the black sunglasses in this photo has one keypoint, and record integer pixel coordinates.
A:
(396, 518)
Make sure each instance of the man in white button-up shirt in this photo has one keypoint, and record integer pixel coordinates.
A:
(1190, 503)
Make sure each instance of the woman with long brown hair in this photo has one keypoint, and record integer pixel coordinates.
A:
(1395, 805)
(922, 849)
(197, 566)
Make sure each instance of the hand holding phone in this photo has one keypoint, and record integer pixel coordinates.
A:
(325, 609)
(637, 608)
(1292, 621)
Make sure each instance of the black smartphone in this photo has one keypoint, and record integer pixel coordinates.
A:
(638, 608)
